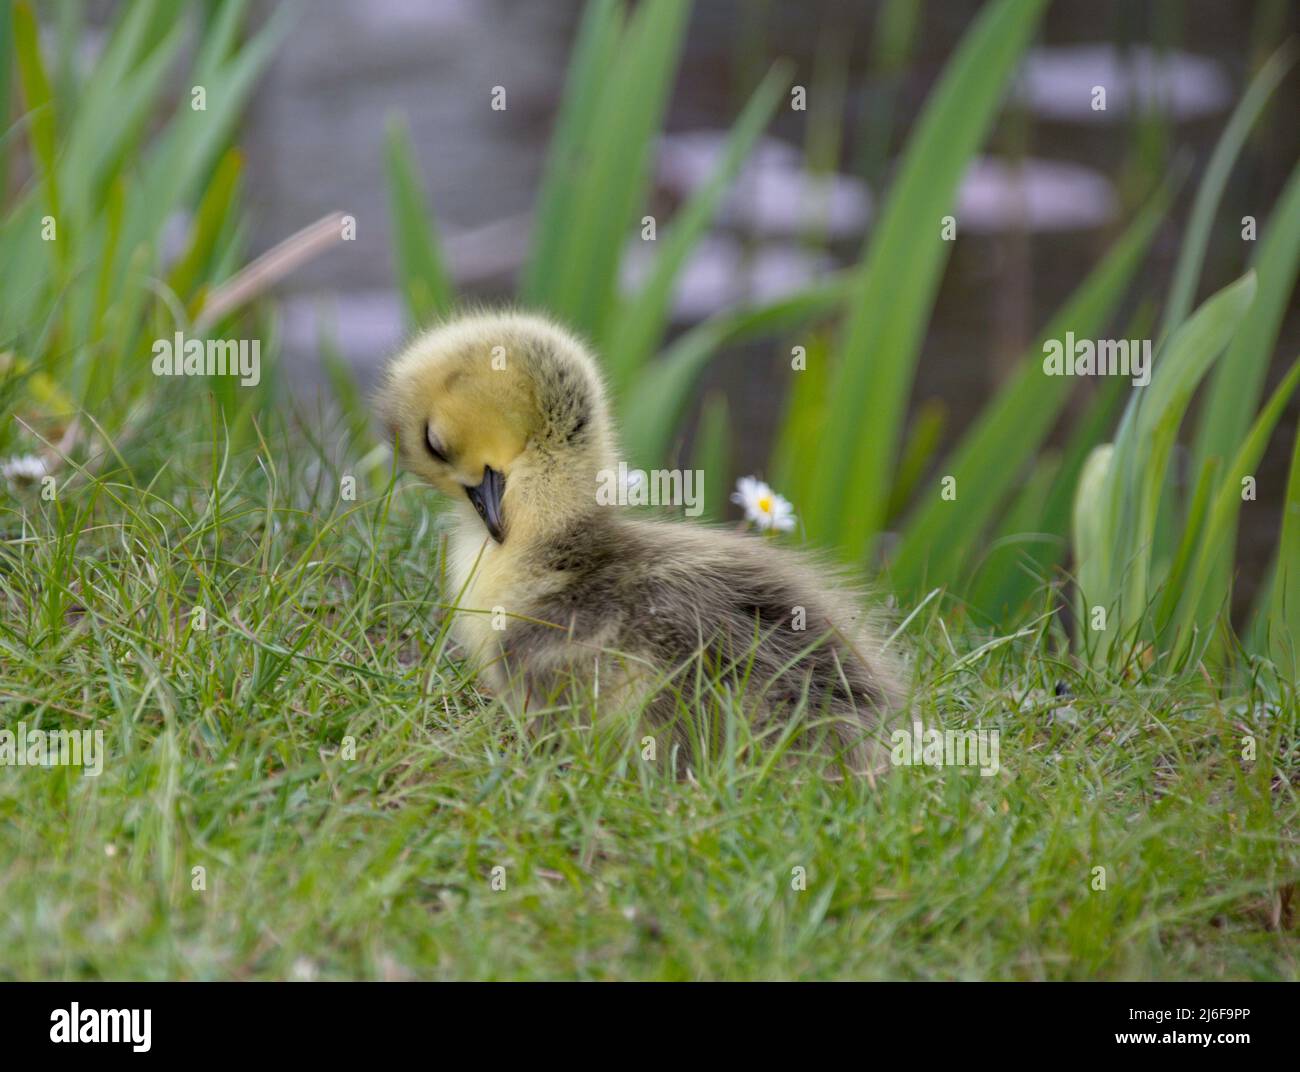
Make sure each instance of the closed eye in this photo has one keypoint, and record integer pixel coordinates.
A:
(435, 448)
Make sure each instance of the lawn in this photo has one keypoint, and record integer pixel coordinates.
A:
(358, 809)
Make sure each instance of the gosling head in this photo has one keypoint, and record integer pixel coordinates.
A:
(506, 414)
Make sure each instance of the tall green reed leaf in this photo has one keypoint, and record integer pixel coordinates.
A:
(1117, 577)
(1238, 381)
(651, 410)
(609, 190)
(421, 268)
(639, 325)
(39, 99)
(936, 541)
(1205, 209)
(1201, 601)
(1282, 622)
(593, 56)
(898, 280)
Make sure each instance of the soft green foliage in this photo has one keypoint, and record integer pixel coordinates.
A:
(640, 325)
(6, 86)
(653, 411)
(607, 169)
(1010, 431)
(1115, 574)
(1283, 618)
(421, 273)
(1199, 610)
(80, 269)
(1205, 209)
(890, 301)
(1237, 382)
(226, 751)
(857, 414)
(594, 52)
(894, 37)
(39, 98)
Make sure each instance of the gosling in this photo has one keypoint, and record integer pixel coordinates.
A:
(506, 414)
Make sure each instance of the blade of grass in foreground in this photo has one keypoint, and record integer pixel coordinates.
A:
(898, 280)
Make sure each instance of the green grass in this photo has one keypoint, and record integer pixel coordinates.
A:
(324, 621)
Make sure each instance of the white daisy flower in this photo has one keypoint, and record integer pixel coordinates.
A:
(762, 505)
(22, 469)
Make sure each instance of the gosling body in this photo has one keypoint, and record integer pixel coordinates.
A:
(506, 413)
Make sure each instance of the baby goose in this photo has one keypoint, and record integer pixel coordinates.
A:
(506, 413)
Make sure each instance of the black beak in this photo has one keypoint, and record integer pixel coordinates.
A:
(487, 501)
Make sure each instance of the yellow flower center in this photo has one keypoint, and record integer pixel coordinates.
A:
(765, 504)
